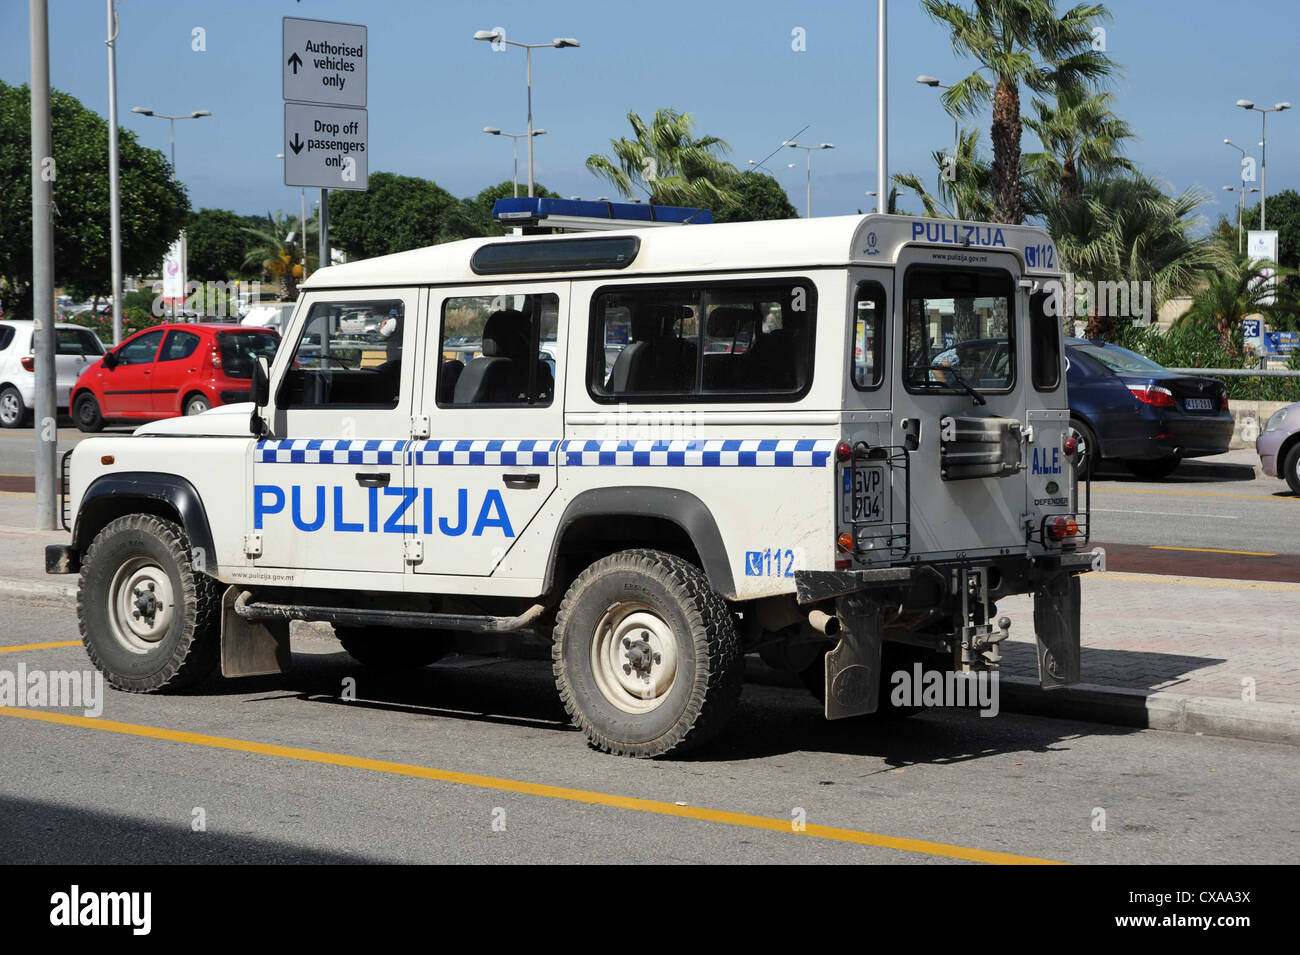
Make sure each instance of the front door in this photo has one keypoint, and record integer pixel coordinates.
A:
(495, 422)
(128, 386)
(329, 482)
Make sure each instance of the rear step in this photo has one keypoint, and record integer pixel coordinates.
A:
(413, 619)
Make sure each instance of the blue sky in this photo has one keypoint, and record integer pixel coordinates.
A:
(731, 64)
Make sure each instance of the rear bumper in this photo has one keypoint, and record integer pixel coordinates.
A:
(1157, 436)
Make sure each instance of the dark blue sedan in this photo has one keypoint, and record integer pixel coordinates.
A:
(1128, 408)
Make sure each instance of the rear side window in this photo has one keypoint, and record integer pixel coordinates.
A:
(348, 355)
(1044, 341)
(6, 336)
(727, 341)
(869, 324)
(491, 350)
(179, 345)
(239, 351)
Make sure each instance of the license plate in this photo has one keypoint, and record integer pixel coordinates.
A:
(1200, 404)
(864, 494)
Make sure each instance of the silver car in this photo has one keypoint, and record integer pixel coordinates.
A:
(1279, 446)
(76, 349)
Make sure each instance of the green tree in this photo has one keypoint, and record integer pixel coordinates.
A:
(272, 252)
(1237, 290)
(478, 220)
(1081, 135)
(665, 161)
(962, 188)
(218, 245)
(153, 206)
(758, 196)
(1017, 42)
(1284, 216)
(395, 214)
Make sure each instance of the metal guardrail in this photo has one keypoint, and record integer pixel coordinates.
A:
(1239, 372)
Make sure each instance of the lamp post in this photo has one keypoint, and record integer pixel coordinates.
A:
(493, 131)
(758, 165)
(498, 36)
(808, 150)
(1241, 206)
(1263, 148)
(934, 83)
(197, 114)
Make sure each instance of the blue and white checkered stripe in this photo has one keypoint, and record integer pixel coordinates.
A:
(331, 451)
(718, 453)
(520, 453)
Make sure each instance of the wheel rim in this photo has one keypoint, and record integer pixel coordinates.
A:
(140, 604)
(85, 411)
(634, 657)
(196, 406)
(10, 408)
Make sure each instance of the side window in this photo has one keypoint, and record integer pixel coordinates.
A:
(870, 319)
(1044, 341)
(498, 350)
(179, 345)
(90, 343)
(958, 330)
(140, 351)
(731, 341)
(348, 355)
(6, 336)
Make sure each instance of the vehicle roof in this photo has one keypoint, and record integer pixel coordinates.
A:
(28, 323)
(734, 246)
(204, 326)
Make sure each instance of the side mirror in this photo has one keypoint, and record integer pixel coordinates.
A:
(110, 360)
(261, 392)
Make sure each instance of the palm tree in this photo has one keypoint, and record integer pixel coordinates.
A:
(1017, 42)
(278, 254)
(668, 163)
(1238, 290)
(962, 193)
(1128, 229)
(1081, 135)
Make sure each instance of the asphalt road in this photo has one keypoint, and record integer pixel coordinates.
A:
(422, 764)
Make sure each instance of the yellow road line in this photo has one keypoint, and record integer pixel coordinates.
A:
(41, 646)
(1213, 550)
(1244, 497)
(1220, 582)
(532, 789)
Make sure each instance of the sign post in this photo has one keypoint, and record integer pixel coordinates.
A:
(1263, 245)
(326, 125)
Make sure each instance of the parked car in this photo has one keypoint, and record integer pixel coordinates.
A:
(272, 315)
(76, 349)
(171, 370)
(1128, 408)
(1279, 445)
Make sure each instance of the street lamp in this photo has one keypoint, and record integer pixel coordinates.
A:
(560, 43)
(493, 131)
(197, 114)
(809, 151)
(933, 83)
(1263, 148)
(1241, 205)
(758, 165)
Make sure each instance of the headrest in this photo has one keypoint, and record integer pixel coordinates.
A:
(505, 334)
(727, 319)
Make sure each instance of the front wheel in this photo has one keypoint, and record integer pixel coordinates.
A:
(86, 413)
(1291, 469)
(149, 619)
(1154, 470)
(645, 655)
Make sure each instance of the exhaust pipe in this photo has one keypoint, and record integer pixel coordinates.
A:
(823, 622)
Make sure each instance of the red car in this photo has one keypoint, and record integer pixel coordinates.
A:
(170, 370)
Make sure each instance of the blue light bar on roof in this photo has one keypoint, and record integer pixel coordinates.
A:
(535, 209)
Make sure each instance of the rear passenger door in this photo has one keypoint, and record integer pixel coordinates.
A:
(177, 366)
(76, 348)
(491, 394)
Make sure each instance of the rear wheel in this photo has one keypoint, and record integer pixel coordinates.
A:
(12, 410)
(86, 413)
(1086, 456)
(645, 655)
(197, 404)
(395, 648)
(1291, 468)
(1156, 469)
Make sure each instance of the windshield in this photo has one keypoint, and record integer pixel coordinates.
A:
(959, 321)
(1120, 360)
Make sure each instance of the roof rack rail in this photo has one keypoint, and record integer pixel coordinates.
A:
(535, 215)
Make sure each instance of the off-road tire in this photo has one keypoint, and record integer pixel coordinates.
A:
(709, 671)
(190, 648)
(395, 648)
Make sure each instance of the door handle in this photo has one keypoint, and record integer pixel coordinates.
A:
(373, 480)
(522, 482)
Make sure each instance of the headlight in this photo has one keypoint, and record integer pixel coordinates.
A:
(1276, 420)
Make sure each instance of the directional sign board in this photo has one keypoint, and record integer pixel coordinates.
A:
(324, 62)
(325, 146)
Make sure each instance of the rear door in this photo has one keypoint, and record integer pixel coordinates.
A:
(177, 368)
(76, 350)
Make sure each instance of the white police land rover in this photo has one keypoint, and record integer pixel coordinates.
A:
(836, 442)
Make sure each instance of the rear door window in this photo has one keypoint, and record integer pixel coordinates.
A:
(6, 336)
(179, 345)
(77, 341)
(958, 327)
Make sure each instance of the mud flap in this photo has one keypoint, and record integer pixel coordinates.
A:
(251, 647)
(1056, 625)
(853, 667)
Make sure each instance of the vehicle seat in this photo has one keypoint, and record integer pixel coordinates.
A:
(500, 376)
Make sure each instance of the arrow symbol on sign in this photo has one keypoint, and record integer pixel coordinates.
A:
(295, 62)
(296, 145)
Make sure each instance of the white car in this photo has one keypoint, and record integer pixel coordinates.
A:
(271, 315)
(76, 349)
